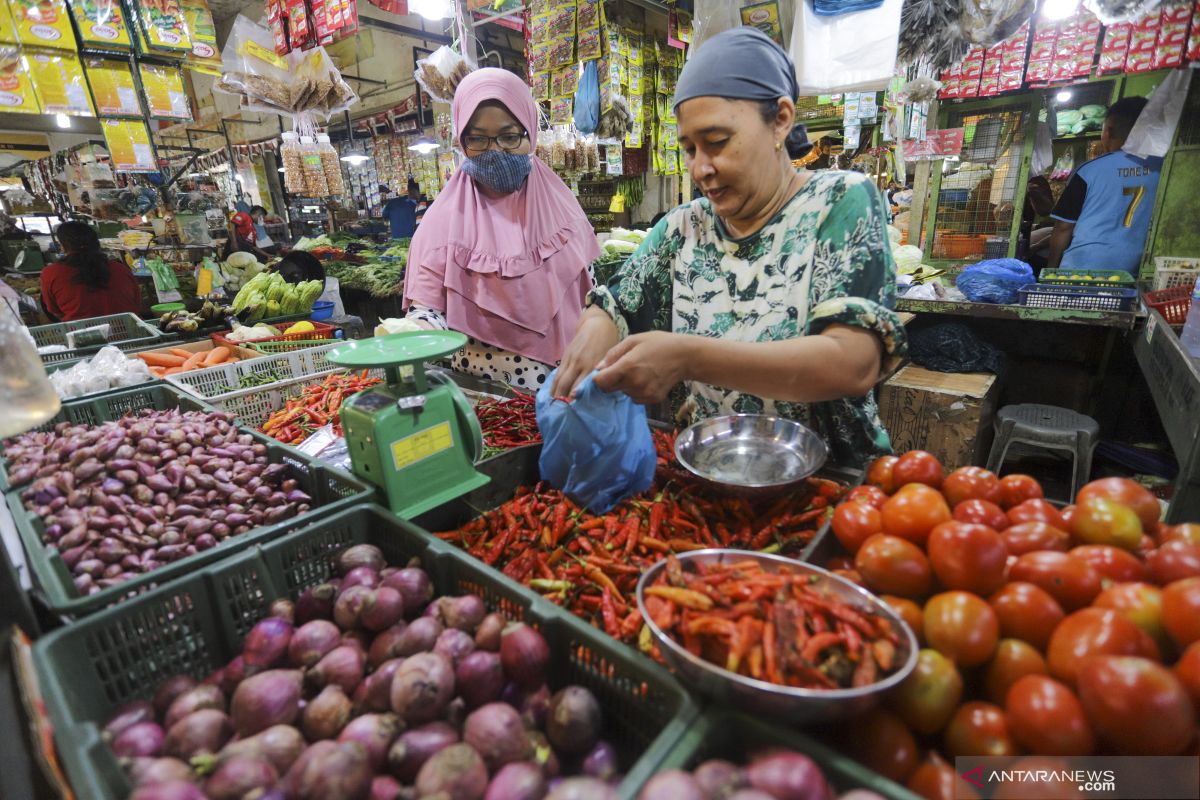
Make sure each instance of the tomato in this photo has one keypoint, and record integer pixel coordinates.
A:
(1187, 532)
(880, 741)
(853, 523)
(1136, 706)
(1067, 513)
(1036, 510)
(908, 611)
(971, 483)
(871, 495)
(1181, 610)
(967, 557)
(891, 565)
(913, 512)
(1173, 561)
(1128, 493)
(926, 699)
(1187, 669)
(1046, 717)
(1026, 612)
(1071, 581)
(1029, 537)
(981, 512)
(962, 626)
(1113, 564)
(1016, 489)
(840, 562)
(1142, 604)
(1052, 785)
(880, 473)
(1145, 547)
(1099, 520)
(1094, 632)
(917, 466)
(1014, 659)
(852, 575)
(978, 729)
(934, 779)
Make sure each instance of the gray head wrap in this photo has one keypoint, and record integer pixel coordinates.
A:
(740, 64)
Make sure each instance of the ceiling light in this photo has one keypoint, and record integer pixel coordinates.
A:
(424, 145)
(1059, 9)
(1063, 96)
(62, 120)
(431, 9)
(355, 157)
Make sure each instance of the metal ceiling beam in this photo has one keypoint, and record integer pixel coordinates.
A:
(405, 30)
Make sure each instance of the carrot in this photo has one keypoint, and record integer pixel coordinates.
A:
(195, 360)
(216, 356)
(173, 371)
(157, 371)
(160, 359)
(179, 351)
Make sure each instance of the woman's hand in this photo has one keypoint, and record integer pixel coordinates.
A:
(594, 336)
(646, 366)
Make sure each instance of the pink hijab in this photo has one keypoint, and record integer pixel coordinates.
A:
(511, 272)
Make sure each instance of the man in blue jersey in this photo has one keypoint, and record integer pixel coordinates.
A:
(1102, 218)
(401, 212)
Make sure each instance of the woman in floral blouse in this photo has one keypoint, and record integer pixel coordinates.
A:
(773, 293)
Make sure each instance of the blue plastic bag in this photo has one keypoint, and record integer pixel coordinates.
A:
(596, 448)
(995, 281)
(587, 99)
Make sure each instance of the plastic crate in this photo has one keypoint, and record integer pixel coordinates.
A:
(1172, 271)
(1173, 303)
(1080, 298)
(331, 490)
(1086, 277)
(222, 381)
(126, 332)
(197, 624)
(725, 733)
(320, 331)
(275, 348)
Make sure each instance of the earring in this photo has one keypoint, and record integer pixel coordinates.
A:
(779, 145)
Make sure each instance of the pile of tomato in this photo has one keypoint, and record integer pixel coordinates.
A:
(1045, 631)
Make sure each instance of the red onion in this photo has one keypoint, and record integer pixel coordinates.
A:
(279, 745)
(360, 576)
(464, 613)
(757, 794)
(524, 653)
(329, 771)
(284, 609)
(496, 733)
(544, 754)
(383, 645)
(168, 790)
(375, 691)
(420, 636)
(521, 780)
(312, 641)
(384, 608)
(375, 732)
(457, 773)
(454, 644)
(535, 707)
(414, 586)
(342, 666)
(266, 699)
(142, 739)
(718, 777)
(267, 643)
(316, 603)
(385, 787)
(788, 776)
(600, 762)
(479, 678)
(414, 747)
(359, 639)
(573, 723)
(360, 555)
(158, 770)
(326, 714)
(204, 731)
(422, 687)
(487, 635)
(239, 776)
(349, 606)
(195, 699)
(233, 673)
(588, 789)
(128, 715)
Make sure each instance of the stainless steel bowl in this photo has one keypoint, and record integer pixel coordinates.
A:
(786, 703)
(751, 454)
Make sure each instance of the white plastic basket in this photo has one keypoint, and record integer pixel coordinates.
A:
(226, 380)
(1172, 271)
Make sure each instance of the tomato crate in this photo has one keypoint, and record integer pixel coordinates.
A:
(722, 732)
(1080, 298)
(197, 624)
(320, 331)
(1087, 277)
(126, 331)
(1173, 304)
(331, 489)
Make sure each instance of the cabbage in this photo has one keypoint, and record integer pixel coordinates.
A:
(628, 235)
(616, 246)
(894, 235)
(241, 260)
(908, 257)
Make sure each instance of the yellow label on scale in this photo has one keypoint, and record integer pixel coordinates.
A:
(421, 445)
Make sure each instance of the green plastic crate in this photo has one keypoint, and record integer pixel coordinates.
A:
(127, 332)
(197, 624)
(1086, 277)
(275, 348)
(728, 734)
(331, 490)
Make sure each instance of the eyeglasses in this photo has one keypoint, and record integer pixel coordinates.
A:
(506, 141)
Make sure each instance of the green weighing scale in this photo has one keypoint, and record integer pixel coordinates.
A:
(416, 436)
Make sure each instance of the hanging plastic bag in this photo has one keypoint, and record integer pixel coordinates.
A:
(587, 100)
(998, 280)
(1043, 145)
(440, 73)
(712, 17)
(847, 53)
(1154, 130)
(596, 448)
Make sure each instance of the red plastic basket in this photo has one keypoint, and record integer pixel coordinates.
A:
(320, 331)
(1172, 303)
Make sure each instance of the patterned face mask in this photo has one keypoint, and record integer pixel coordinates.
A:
(499, 171)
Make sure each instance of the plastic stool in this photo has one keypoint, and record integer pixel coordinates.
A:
(1049, 427)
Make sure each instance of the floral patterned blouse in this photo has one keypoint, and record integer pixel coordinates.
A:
(824, 258)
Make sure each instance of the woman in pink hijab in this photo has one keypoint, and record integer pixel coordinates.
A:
(503, 253)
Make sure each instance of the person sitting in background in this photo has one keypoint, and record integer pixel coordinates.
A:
(299, 266)
(86, 282)
(243, 238)
(1103, 216)
(401, 212)
(259, 215)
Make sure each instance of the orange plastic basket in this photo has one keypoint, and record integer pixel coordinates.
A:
(320, 331)
(1172, 303)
